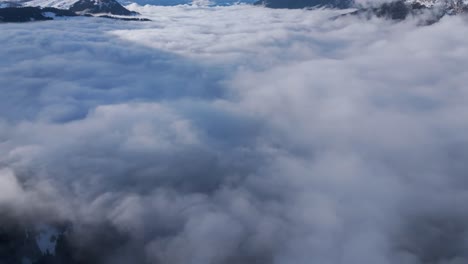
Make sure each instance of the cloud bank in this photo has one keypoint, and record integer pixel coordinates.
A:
(239, 135)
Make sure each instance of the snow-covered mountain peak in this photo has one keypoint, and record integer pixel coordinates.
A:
(432, 3)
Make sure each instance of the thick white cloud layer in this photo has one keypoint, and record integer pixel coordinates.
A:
(240, 135)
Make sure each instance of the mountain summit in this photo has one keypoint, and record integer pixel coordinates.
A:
(100, 6)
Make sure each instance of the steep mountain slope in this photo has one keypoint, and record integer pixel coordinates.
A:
(27, 14)
(6, 4)
(100, 6)
(82, 6)
(429, 11)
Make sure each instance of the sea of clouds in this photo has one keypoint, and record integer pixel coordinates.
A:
(239, 134)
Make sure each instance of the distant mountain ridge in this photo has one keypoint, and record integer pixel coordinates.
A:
(14, 12)
(78, 6)
(28, 14)
(430, 11)
(40, 10)
(65, 4)
(453, 4)
(293, 4)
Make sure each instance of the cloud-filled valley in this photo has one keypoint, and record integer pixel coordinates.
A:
(239, 134)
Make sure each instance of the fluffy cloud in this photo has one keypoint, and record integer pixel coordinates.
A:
(239, 135)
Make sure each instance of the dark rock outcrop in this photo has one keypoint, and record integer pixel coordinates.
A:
(59, 12)
(28, 14)
(125, 18)
(398, 10)
(100, 6)
(22, 14)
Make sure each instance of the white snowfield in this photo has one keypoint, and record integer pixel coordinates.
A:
(62, 4)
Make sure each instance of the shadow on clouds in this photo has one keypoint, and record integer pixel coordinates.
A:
(288, 138)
